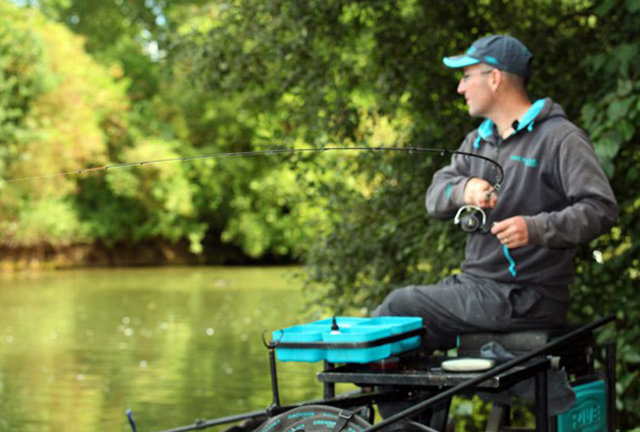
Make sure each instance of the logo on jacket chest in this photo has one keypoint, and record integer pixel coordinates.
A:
(527, 162)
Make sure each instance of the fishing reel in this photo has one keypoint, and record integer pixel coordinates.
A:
(471, 219)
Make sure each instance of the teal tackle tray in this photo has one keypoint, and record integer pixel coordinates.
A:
(347, 339)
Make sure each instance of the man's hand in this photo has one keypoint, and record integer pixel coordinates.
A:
(511, 232)
(479, 193)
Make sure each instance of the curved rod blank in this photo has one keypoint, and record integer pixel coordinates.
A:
(410, 150)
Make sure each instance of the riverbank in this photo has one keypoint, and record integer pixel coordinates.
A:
(99, 254)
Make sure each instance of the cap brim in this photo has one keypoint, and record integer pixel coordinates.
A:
(459, 61)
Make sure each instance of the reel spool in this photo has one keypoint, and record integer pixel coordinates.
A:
(471, 219)
(315, 418)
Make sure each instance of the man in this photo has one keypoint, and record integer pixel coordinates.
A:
(554, 196)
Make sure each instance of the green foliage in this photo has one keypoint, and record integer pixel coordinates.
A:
(22, 75)
(284, 220)
(56, 112)
(608, 278)
(63, 115)
(162, 193)
(47, 221)
(470, 414)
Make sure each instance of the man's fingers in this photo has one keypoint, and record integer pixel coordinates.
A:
(498, 227)
(506, 238)
(511, 232)
(488, 194)
(479, 192)
(486, 200)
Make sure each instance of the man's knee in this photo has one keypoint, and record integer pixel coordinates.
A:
(397, 303)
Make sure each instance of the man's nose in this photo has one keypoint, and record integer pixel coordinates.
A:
(461, 87)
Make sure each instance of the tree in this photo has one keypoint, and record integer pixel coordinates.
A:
(62, 116)
(59, 116)
(608, 277)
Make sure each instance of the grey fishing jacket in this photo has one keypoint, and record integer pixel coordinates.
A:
(551, 177)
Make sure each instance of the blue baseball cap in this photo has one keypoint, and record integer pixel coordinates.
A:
(502, 52)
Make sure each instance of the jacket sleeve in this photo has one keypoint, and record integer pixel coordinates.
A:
(445, 195)
(592, 208)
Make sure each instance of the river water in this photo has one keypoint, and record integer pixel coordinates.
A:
(78, 348)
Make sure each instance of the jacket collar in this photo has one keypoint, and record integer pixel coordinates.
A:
(488, 132)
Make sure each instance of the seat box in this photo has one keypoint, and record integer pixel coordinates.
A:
(589, 413)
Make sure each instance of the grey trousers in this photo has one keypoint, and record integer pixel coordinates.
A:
(465, 303)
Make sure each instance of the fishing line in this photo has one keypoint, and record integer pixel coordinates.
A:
(410, 150)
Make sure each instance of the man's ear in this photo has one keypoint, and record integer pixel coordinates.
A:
(496, 79)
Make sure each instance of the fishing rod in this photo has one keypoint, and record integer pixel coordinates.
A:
(255, 153)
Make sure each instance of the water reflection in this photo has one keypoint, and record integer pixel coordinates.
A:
(77, 348)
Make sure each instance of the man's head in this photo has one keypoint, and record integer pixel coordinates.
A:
(502, 52)
(494, 67)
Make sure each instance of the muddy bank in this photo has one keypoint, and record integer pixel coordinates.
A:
(151, 253)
